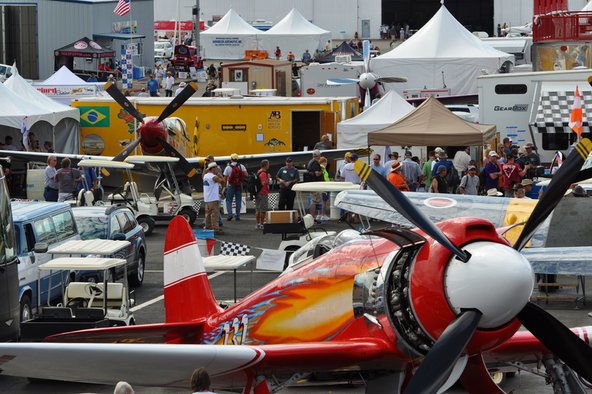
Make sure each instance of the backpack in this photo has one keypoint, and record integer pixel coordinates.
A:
(452, 178)
(253, 184)
(236, 176)
(309, 176)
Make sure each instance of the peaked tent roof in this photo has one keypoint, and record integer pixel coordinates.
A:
(231, 23)
(587, 7)
(432, 124)
(390, 108)
(23, 89)
(343, 49)
(63, 77)
(443, 37)
(84, 47)
(294, 23)
(15, 109)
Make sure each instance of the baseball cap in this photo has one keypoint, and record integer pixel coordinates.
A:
(210, 157)
(289, 159)
(234, 156)
(472, 168)
(493, 153)
(440, 168)
(354, 157)
(316, 153)
(348, 154)
(212, 165)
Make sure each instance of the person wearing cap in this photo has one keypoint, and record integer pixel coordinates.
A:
(507, 145)
(527, 183)
(376, 166)
(346, 159)
(287, 177)
(493, 192)
(469, 183)
(411, 171)
(180, 88)
(234, 175)
(211, 188)
(492, 171)
(452, 178)
(511, 174)
(519, 191)
(169, 82)
(393, 156)
(439, 184)
(427, 169)
(396, 178)
(324, 143)
(314, 173)
(349, 173)
(262, 197)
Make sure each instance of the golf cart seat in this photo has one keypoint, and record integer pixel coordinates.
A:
(85, 198)
(115, 294)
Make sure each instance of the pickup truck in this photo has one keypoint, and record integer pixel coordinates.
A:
(185, 56)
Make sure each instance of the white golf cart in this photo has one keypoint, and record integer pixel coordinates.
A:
(296, 235)
(148, 209)
(84, 304)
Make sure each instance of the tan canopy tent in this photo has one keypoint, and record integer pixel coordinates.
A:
(432, 124)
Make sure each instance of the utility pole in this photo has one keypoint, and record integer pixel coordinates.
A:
(196, 27)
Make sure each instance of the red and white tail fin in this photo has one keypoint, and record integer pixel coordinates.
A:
(187, 292)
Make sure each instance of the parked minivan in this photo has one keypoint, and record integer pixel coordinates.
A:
(39, 222)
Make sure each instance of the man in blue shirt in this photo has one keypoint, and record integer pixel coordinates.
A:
(492, 171)
(376, 166)
(153, 86)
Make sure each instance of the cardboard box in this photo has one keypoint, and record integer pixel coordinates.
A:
(274, 217)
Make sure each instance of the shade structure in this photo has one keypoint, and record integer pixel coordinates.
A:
(343, 49)
(64, 76)
(432, 124)
(294, 33)
(85, 47)
(442, 54)
(229, 38)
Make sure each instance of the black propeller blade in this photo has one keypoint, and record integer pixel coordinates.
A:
(178, 101)
(398, 201)
(438, 364)
(121, 156)
(559, 339)
(116, 94)
(563, 178)
(187, 168)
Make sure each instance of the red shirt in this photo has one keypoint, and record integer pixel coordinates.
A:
(264, 179)
(398, 181)
(511, 175)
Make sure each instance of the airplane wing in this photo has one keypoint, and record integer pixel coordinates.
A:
(228, 365)
(500, 211)
(250, 161)
(573, 260)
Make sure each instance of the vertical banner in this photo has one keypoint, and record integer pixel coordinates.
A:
(127, 69)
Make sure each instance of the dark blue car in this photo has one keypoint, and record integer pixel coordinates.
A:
(116, 222)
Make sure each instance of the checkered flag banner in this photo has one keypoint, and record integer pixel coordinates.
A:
(232, 249)
(127, 69)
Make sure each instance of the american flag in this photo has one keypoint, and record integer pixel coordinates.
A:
(123, 7)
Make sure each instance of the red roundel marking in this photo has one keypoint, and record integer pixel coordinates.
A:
(310, 91)
(440, 202)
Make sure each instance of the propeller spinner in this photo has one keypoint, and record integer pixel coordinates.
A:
(486, 285)
(153, 132)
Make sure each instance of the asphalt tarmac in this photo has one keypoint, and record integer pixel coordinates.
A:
(150, 309)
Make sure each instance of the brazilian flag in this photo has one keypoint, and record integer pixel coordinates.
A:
(94, 116)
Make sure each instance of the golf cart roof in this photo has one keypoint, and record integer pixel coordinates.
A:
(105, 164)
(101, 247)
(151, 159)
(322, 187)
(83, 263)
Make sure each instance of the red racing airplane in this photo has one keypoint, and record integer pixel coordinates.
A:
(412, 310)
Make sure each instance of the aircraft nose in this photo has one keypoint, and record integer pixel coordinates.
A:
(497, 281)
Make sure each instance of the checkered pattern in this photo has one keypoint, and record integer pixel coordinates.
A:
(232, 249)
(273, 200)
(127, 69)
(555, 108)
(196, 205)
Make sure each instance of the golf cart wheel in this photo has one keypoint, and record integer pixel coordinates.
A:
(147, 224)
(137, 277)
(189, 214)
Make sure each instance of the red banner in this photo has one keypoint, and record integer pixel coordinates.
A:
(182, 25)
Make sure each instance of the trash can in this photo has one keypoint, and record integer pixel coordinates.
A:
(138, 72)
(202, 237)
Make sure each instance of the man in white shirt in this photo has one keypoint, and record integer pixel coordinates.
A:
(348, 173)
(461, 161)
(168, 84)
(211, 189)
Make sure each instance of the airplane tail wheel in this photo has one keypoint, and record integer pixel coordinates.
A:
(498, 377)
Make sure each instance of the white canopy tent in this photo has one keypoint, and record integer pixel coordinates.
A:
(229, 38)
(64, 86)
(441, 49)
(294, 33)
(62, 127)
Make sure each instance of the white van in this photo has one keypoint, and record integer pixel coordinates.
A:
(37, 222)
(5, 72)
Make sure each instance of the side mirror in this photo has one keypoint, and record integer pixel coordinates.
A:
(118, 237)
(41, 247)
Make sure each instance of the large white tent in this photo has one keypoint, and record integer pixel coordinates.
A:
(64, 86)
(442, 53)
(61, 124)
(294, 33)
(229, 38)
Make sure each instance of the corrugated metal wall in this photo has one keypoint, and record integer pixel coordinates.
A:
(18, 38)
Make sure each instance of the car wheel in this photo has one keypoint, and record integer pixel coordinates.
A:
(137, 278)
(26, 310)
(147, 224)
(189, 214)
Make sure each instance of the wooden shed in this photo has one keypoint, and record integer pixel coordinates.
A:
(259, 74)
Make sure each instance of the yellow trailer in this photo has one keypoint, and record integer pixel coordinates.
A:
(219, 125)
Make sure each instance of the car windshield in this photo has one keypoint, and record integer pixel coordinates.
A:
(160, 45)
(92, 227)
